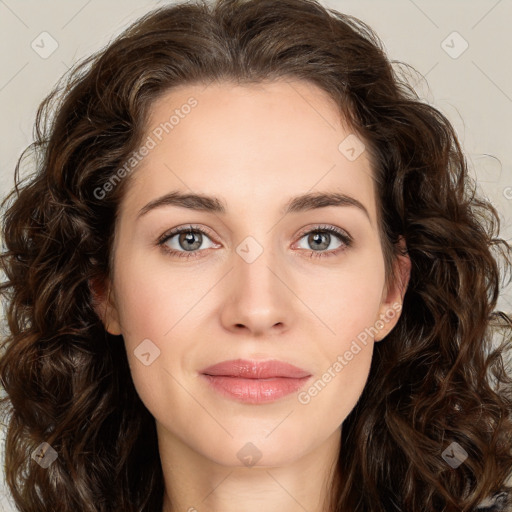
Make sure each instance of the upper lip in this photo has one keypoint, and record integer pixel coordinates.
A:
(256, 369)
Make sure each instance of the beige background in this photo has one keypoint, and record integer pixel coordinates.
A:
(473, 88)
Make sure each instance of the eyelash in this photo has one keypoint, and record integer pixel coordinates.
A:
(344, 238)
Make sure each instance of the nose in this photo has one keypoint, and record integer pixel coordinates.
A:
(259, 299)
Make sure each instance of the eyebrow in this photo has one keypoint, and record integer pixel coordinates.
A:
(302, 203)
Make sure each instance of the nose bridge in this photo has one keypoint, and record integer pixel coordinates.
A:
(258, 298)
(256, 266)
(257, 251)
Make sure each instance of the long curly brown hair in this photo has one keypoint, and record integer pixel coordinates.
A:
(441, 375)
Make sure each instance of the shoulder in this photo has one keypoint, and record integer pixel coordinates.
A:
(499, 502)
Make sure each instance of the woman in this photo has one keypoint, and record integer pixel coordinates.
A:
(250, 272)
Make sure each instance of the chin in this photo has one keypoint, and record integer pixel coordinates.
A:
(259, 449)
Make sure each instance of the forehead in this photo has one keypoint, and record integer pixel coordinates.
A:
(242, 142)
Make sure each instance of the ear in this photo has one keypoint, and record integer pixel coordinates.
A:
(393, 295)
(104, 305)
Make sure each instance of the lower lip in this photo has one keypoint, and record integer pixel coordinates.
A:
(255, 391)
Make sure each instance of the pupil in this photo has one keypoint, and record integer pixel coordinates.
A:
(317, 237)
(189, 238)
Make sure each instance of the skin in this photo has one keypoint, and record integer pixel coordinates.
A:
(285, 305)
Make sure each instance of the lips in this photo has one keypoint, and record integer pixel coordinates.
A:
(256, 369)
(255, 381)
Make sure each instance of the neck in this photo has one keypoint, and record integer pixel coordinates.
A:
(194, 483)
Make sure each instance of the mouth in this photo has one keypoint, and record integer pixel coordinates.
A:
(255, 381)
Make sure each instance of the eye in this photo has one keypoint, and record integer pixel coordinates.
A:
(184, 242)
(187, 241)
(321, 238)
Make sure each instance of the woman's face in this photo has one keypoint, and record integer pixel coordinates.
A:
(259, 284)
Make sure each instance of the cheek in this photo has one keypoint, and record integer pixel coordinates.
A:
(158, 303)
(344, 355)
(347, 300)
(152, 299)
(153, 305)
(348, 306)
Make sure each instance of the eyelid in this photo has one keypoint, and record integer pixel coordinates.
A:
(344, 237)
(326, 227)
(209, 232)
(187, 227)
